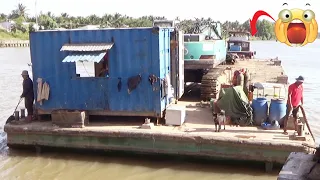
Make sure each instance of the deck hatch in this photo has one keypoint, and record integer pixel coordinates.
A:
(84, 56)
(85, 47)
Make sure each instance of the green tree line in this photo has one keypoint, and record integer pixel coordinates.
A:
(50, 21)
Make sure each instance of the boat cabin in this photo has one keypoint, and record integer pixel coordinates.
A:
(239, 44)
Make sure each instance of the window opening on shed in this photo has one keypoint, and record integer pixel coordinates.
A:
(85, 69)
(102, 68)
(91, 60)
(245, 45)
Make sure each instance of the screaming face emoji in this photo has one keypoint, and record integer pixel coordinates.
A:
(296, 27)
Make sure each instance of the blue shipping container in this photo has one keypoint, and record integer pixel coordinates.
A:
(134, 51)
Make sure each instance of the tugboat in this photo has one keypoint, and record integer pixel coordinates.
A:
(239, 45)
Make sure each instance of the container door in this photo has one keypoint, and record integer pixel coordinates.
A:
(173, 62)
(180, 65)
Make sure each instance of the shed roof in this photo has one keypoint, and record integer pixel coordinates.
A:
(84, 57)
(87, 47)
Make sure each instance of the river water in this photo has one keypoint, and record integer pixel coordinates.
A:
(61, 165)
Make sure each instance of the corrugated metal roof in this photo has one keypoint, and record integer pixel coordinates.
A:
(89, 57)
(87, 47)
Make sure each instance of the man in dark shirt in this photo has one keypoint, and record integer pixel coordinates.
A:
(27, 94)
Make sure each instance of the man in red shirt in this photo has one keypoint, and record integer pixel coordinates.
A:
(295, 99)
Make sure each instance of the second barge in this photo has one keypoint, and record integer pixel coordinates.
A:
(195, 136)
(301, 166)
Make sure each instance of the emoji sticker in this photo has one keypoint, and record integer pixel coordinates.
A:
(295, 27)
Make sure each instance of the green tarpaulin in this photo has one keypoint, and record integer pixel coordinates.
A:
(235, 103)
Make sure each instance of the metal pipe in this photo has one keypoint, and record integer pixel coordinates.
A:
(36, 16)
(16, 115)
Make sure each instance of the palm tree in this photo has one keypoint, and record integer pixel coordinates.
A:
(3, 16)
(106, 20)
(65, 15)
(21, 10)
(94, 19)
(50, 15)
(117, 20)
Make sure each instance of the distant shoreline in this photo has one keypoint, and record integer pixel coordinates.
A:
(14, 43)
(261, 40)
(7, 36)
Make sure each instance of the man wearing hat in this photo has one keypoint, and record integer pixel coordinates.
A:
(295, 99)
(27, 94)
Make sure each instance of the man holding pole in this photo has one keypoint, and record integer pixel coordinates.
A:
(295, 99)
(28, 94)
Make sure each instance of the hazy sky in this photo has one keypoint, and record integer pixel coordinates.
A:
(222, 10)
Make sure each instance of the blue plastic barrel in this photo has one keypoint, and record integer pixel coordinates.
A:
(278, 110)
(260, 110)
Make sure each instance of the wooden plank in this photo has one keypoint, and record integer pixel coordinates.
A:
(297, 166)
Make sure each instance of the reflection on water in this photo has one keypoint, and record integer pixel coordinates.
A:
(28, 165)
(58, 165)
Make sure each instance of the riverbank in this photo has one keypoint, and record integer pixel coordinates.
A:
(25, 36)
(14, 43)
(254, 38)
(63, 165)
(4, 35)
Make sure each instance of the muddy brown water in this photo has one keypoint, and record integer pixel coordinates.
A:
(71, 165)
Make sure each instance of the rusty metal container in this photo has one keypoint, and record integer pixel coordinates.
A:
(131, 52)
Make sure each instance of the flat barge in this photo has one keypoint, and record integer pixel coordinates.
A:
(195, 137)
(301, 166)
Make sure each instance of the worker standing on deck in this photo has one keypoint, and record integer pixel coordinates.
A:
(27, 94)
(295, 99)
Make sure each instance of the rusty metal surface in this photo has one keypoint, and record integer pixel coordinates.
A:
(154, 141)
(47, 128)
(109, 113)
(87, 47)
(177, 148)
(135, 51)
(195, 137)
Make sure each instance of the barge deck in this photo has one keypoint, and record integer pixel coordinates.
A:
(195, 137)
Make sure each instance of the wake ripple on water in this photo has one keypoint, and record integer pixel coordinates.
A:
(3, 142)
